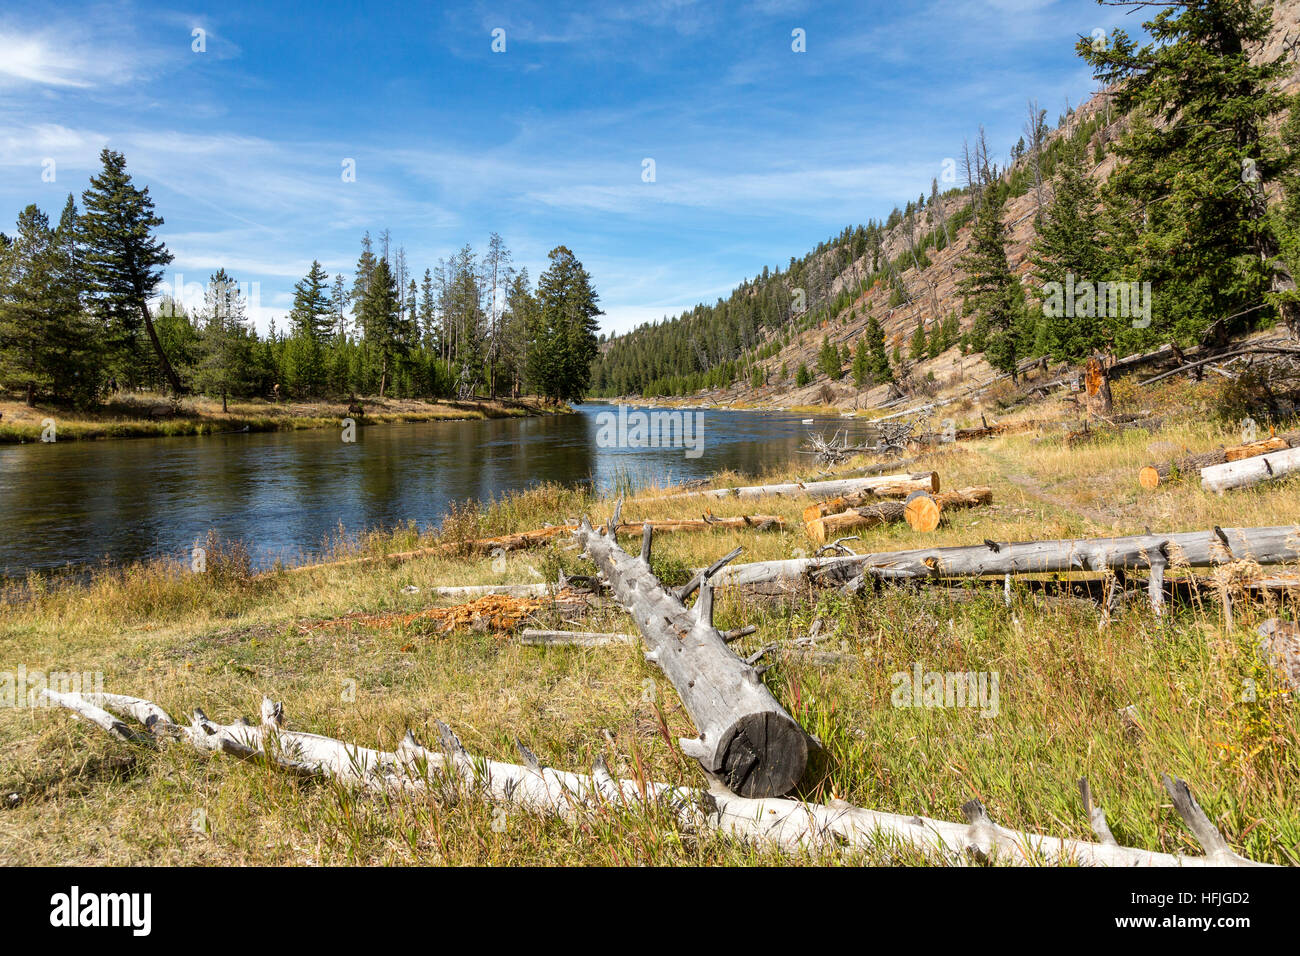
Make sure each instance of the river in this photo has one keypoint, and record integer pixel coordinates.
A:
(81, 503)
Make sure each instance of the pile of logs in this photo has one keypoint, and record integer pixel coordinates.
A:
(923, 510)
(1151, 477)
(790, 825)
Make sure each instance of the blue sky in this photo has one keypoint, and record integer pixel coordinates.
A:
(759, 151)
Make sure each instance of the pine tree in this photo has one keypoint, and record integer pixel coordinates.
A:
(225, 341)
(566, 340)
(338, 308)
(917, 348)
(878, 360)
(312, 314)
(365, 269)
(1071, 243)
(861, 364)
(26, 306)
(1197, 161)
(991, 290)
(123, 261)
(828, 360)
(381, 321)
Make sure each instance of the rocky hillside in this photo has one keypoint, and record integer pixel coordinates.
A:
(931, 293)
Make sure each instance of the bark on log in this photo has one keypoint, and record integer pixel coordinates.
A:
(871, 496)
(1250, 471)
(791, 825)
(746, 738)
(820, 527)
(1263, 545)
(1096, 389)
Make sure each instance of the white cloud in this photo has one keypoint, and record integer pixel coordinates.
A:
(61, 59)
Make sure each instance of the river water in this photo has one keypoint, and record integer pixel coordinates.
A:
(82, 503)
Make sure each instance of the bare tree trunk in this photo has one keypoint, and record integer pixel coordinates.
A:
(746, 737)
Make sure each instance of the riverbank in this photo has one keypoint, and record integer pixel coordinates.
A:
(356, 651)
(148, 415)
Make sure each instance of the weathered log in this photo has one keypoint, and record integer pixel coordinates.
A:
(746, 737)
(1151, 476)
(574, 638)
(870, 496)
(839, 486)
(821, 527)
(1250, 471)
(868, 516)
(1263, 545)
(790, 825)
(527, 539)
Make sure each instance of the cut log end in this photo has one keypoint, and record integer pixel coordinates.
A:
(922, 512)
(1149, 478)
(764, 755)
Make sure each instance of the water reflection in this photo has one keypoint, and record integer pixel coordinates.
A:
(282, 492)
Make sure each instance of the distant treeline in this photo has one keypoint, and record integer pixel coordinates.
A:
(75, 320)
(1184, 219)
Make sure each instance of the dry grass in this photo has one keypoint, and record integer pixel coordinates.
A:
(223, 639)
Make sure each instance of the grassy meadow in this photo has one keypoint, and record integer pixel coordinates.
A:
(1120, 704)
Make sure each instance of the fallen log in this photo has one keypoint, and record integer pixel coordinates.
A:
(573, 638)
(922, 511)
(1250, 471)
(1262, 545)
(526, 539)
(791, 825)
(1151, 476)
(746, 738)
(842, 503)
(839, 486)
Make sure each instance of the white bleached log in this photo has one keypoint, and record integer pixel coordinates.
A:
(1250, 471)
(573, 638)
(745, 736)
(790, 825)
(829, 489)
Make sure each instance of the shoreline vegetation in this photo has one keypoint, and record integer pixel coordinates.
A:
(152, 415)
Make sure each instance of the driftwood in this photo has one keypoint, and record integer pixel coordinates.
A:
(1156, 552)
(1250, 471)
(922, 511)
(746, 738)
(790, 825)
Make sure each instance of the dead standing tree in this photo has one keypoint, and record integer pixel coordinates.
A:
(746, 737)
